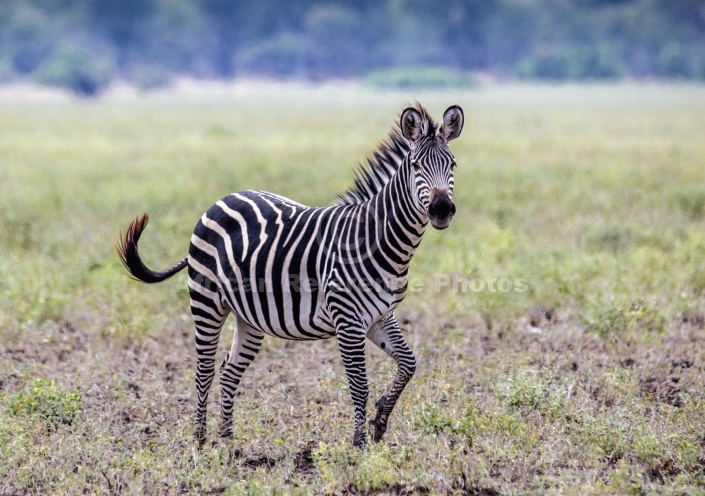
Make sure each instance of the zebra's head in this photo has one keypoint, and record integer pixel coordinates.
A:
(431, 160)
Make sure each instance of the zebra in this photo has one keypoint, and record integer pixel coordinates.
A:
(298, 272)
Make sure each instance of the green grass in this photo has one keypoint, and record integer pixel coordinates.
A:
(572, 361)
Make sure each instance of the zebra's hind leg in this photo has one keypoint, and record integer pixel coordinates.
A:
(387, 336)
(246, 344)
(209, 317)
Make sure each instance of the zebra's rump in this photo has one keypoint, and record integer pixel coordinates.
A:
(258, 252)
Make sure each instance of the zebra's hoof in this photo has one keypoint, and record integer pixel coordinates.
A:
(226, 433)
(378, 429)
(200, 436)
(360, 440)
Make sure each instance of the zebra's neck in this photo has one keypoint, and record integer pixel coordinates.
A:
(399, 222)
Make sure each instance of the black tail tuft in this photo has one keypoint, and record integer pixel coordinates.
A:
(130, 257)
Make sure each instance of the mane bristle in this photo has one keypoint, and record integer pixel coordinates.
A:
(379, 169)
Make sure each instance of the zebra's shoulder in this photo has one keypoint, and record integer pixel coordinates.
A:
(378, 170)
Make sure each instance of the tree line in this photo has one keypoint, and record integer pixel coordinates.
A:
(86, 44)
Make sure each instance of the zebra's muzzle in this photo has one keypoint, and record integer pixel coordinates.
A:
(441, 210)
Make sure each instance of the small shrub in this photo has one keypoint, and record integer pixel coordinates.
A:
(55, 405)
(419, 78)
(432, 421)
(375, 468)
(691, 201)
(76, 69)
(328, 458)
(611, 238)
(585, 62)
(547, 65)
(610, 438)
(606, 319)
(610, 317)
(654, 453)
(531, 389)
(596, 62)
(485, 423)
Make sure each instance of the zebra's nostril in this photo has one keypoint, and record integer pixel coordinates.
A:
(441, 207)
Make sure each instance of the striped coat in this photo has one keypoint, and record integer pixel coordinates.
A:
(298, 272)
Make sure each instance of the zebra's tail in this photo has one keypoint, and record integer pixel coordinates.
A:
(130, 257)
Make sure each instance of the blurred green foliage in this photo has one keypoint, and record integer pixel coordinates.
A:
(149, 41)
(77, 70)
(419, 78)
(579, 63)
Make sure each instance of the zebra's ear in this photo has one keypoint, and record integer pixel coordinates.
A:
(453, 119)
(412, 124)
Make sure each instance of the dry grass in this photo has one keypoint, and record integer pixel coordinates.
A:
(589, 382)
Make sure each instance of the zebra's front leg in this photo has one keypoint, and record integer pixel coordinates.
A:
(351, 341)
(386, 334)
(246, 343)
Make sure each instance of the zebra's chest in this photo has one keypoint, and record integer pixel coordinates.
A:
(367, 296)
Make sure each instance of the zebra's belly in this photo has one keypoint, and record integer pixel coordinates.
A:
(288, 310)
(295, 307)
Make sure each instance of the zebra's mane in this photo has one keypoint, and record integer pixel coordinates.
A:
(371, 177)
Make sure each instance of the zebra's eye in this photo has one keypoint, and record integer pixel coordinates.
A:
(453, 165)
(415, 164)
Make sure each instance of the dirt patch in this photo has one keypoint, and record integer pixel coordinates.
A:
(481, 491)
(11, 383)
(627, 362)
(681, 363)
(666, 471)
(462, 486)
(262, 461)
(396, 489)
(197, 489)
(135, 389)
(664, 390)
(694, 319)
(304, 461)
(171, 371)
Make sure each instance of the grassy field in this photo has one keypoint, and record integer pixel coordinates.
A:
(558, 323)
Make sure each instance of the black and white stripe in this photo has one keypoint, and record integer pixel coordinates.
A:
(299, 272)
